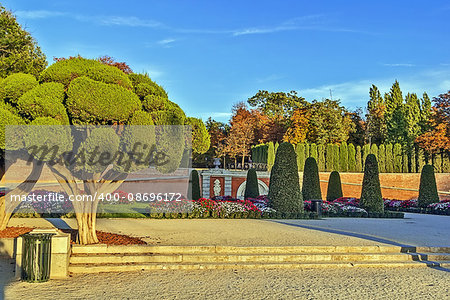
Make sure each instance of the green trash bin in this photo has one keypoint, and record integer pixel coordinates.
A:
(36, 256)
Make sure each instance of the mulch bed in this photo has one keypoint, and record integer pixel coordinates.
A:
(108, 238)
(103, 237)
(13, 232)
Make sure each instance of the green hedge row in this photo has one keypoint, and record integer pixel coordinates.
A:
(392, 158)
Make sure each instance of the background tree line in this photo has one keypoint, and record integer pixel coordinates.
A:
(412, 130)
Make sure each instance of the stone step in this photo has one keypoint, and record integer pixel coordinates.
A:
(431, 249)
(240, 258)
(129, 249)
(98, 268)
(432, 256)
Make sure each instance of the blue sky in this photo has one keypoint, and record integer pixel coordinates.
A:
(211, 54)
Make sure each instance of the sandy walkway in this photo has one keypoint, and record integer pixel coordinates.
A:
(222, 232)
(356, 283)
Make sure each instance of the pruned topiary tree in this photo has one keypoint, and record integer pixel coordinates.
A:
(194, 192)
(427, 190)
(251, 185)
(311, 183)
(284, 188)
(371, 198)
(334, 190)
(89, 94)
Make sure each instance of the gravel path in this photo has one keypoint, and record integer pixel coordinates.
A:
(353, 283)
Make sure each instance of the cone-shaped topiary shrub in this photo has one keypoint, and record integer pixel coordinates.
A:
(194, 186)
(284, 187)
(427, 190)
(371, 198)
(251, 186)
(334, 190)
(311, 183)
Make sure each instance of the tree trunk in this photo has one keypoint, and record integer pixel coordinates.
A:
(22, 189)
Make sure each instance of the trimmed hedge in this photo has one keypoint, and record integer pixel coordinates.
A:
(15, 85)
(143, 86)
(300, 152)
(284, 188)
(311, 182)
(45, 100)
(9, 118)
(251, 186)
(427, 189)
(334, 190)
(194, 192)
(371, 198)
(65, 71)
(154, 103)
(94, 102)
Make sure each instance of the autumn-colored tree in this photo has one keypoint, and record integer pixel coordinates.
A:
(218, 132)
(241, 132)
(298, 127)
(438, 138)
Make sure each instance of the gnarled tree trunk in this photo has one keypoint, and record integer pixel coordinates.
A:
(23, 189)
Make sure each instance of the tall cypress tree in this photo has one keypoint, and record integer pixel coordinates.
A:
(329, 158)
(371, 198)
(194, 192)
(311, 181)
(446, 162)
(425, 113)
(358, 159)
(335, 157)
(334, 190)
(427, 190)
(412, 118)
(251, 185)
(374, 150)
(313, 151)
(398, 158)
(343, 157)
(396, 115)
(321, 160)
(307, 154)
(389, 158)
(382, 158)
(270, 156)
(437, 162)
(413, 160)
(351, 158)
(300, 151)
(420, 160)
(284, 188)
(405, 168)
(375, 124)
(366, 151)
(276, 147)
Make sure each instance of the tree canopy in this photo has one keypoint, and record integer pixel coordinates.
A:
(19, 52)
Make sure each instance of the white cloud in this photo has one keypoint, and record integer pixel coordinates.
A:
(38, 14)
(356, 93)
(128, 21)
(399, 65)
(263, 30)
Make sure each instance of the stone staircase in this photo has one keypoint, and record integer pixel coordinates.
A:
(104, 258)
